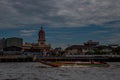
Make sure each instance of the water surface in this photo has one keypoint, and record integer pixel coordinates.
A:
(37, 71)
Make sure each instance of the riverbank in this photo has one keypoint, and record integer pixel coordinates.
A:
(16, 58)
(23, 58)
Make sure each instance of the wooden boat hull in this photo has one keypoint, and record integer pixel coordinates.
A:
(78, 64)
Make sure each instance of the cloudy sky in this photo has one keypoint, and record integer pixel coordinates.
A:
(66, 22)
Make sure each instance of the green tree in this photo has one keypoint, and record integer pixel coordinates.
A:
(116, 50)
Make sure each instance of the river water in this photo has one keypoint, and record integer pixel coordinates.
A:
(37, 71)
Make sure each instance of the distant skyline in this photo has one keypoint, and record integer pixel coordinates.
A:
(62, 37)
(66, 22)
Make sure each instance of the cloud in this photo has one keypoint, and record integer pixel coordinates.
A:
(27, 32)
(112, 24)
(100, 31)
(58, 13)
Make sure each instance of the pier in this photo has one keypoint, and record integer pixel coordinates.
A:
(108, 58)
(15, 58)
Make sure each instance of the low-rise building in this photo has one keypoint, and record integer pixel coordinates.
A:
(88, 46)
(91, 43)
(75, 50)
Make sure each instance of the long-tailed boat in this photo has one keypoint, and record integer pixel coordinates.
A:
(74, 64)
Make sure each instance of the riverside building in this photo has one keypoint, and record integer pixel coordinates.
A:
(40, 46)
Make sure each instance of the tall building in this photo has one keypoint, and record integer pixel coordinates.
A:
(14, 41)
(11, 44)
(2, 44)
(41, 37)
(41, 46)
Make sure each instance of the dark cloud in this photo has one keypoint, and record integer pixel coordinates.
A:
(58, 13)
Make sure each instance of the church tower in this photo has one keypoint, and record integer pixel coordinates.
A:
(41, 37)
(41, 46)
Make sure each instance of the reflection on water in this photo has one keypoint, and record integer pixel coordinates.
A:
(37, 71)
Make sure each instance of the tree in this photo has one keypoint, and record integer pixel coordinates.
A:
(116, 50)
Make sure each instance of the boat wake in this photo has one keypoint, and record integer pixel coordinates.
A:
(75, 66)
